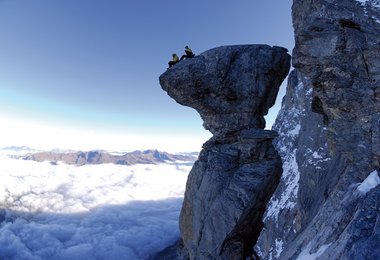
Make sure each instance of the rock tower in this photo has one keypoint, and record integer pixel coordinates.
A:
(232, 88)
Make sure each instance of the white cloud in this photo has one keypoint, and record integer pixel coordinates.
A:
(89, 212)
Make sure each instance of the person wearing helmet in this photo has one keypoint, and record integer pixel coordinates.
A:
(174, 60)
(188, 53)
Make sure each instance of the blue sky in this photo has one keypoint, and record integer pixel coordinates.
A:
(92, 66)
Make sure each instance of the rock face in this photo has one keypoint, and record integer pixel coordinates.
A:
(330, 215)
(302, 145)
(338, 48)
(232, 88)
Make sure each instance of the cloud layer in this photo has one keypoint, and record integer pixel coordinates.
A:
(89, 212)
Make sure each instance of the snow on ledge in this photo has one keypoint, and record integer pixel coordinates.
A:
(306, 255)
(373, 3)
(369, 183)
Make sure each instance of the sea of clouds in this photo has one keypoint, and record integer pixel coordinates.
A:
(89, 212)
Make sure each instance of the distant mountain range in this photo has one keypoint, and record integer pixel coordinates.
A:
(99, 157)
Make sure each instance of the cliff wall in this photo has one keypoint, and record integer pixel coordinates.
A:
(302, 145)
(332, 211)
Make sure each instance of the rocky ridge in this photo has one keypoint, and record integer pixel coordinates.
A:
(232, 88)
(100, 157)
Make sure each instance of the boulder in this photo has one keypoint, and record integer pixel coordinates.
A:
(232, 87)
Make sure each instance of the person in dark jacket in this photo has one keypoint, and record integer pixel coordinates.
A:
(188, 53)
(174, 60)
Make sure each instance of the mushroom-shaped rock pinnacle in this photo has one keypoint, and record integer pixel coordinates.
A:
(232, 87)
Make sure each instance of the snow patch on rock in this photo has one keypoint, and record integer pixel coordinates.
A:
(290, 177)
(306, 255)
(374, 3)
(370, 4)
(289, 131)
(369, 183)
(279, 247)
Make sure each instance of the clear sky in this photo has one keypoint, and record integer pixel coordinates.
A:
(83, 74)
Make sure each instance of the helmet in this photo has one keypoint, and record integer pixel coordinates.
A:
(186, 47)
(174, 54)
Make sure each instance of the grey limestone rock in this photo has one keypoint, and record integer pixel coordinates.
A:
(338, 49)
(302, 145)
(232, 87)
(337, 54)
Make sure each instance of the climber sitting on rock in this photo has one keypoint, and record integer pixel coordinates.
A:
(189, 53)
(174, 60)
